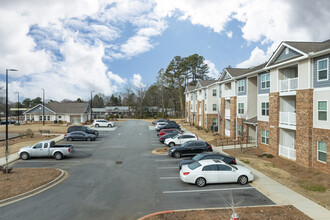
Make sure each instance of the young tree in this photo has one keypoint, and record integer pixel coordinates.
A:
(161, 82)
(98, 102)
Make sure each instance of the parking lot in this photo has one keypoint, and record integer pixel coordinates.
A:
(117, 177)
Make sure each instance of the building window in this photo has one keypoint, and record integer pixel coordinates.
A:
(265, 108)
(214, 107)
(44, 117)
(240, 130)
(192, 96)
(214, 121)
(286, 50)
(322, 110)
(240, 108)
(322, 69)
(59, 117)
(205, 107)
(241, 85)
(205, 94)
(214, 92)
(219, 91)
(322, 151)
(265, 81)
(264, 137)
(40, 118)
(48, 118)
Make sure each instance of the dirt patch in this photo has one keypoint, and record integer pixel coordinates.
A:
(22, 180)
(54, 128)
(14, 145)
(266, 212)
(161, 151)
(308, 182)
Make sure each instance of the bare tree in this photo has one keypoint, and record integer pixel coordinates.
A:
(140, 98)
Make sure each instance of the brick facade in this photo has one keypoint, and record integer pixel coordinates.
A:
(262, 125)
(321, 135)
(304, 126)
(274, 117)
(197, 114)
(245, 130)
(233, 112)
(209, 120)
(203, 113)
(222, 118)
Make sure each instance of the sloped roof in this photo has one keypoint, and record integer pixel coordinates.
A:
(308, 47)
(256, 68)
(190, 88)
(234, 72)
(206, 82)
(67, 107)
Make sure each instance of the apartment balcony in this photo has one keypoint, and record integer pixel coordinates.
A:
(287, 85)
(288, 118)
(287, 152)
(226, 93)
(227, 113)
(227, 132)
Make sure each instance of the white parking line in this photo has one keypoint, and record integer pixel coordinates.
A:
(164, 160)
(160, 168)
(169, 178)
(206, 190)
(47, 161)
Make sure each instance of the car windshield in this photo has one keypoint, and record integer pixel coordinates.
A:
(198, 157)
(194, 165)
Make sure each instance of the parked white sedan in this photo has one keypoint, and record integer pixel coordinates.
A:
(214, 171)
(103, 123)
(180, 139)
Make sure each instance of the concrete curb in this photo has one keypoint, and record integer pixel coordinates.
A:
(40, 189)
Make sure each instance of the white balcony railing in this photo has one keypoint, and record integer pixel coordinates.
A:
(227, 113)
(288, 118)
(227, 132)
(287, 152)
(288, 84)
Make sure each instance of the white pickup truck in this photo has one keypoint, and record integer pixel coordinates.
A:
(46, 149)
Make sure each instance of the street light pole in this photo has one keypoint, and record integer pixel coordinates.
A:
(17, 106)
(92, 105)
(7, 70)
(43, 106)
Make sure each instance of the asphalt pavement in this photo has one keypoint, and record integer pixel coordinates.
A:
(117, 177)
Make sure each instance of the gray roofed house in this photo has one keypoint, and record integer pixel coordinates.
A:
(308, 47)
(190, 88)
(69, 112)
(205, 83)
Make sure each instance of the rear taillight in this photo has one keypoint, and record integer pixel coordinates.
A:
(234, 161)
(197, 137)
(210, 147)
(186, 173)
(69, 150)
(65, 135)
(161, 137)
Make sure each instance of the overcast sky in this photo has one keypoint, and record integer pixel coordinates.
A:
(70, 48)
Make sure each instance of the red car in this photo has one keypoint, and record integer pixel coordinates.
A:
(166, 131)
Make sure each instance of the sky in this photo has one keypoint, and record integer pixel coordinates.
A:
(70, 48)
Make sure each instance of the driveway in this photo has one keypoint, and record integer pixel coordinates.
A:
(117, 177)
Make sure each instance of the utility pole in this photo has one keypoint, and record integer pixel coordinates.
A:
(43, 106)
(92, 105)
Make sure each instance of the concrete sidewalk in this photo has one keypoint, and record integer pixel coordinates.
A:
(282, 195)
(14, 157)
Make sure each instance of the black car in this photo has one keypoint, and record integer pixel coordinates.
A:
(168, 135)
(189, 148)
(9, 122)
(79, 136)
(84, 129)
(169, 125)
(206, 156)
(160, 120)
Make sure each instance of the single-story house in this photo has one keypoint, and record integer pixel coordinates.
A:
(68, 112)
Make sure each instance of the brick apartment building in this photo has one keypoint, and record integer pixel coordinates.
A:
(282, 105)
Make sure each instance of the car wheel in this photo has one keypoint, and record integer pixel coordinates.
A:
(96, 134)
(58, 156)
(172, 144)
(177, 154)
(200, 181)
(88, 139)
(24, 156)
(97, 125)
(243, 180)
(109, 125)
(69, 139)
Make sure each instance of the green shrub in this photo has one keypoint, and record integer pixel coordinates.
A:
(29, 133)
(269, 156)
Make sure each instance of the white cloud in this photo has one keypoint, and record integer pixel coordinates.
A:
(137, 81)
(229, 34)
(213, 72)
(257, 57)
(116, 78)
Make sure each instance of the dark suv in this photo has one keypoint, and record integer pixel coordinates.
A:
(190, 148)
(84, 129)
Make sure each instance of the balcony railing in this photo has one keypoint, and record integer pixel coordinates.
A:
(227, 113)
(227, 132)
(288, 118)
(288, 84)
(226, 94)
(287, 152)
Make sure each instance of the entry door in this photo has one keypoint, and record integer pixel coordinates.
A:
(289, 139)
